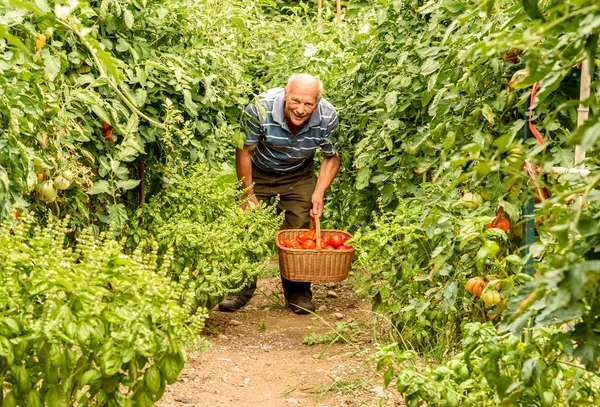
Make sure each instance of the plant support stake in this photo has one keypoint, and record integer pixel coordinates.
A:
(582, 111)
(528, 203)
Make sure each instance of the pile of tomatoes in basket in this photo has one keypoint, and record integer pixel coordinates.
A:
(308, 241)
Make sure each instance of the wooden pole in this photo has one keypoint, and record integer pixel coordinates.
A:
(582, 111)
(338, 11)
(319, 12)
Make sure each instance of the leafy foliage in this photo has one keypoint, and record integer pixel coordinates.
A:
(86, 324)
(494, 371)
(417, 259)
(168, 78)
(217, 246)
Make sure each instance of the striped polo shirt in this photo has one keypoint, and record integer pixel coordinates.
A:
(277, 150)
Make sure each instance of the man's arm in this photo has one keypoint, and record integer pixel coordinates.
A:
(329, 169)
(243, 168)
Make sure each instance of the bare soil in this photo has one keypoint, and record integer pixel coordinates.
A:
(260, 355)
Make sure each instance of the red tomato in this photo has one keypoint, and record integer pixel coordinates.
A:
(294, 244)
(311, 235)
(325, 240)
(105, 126)
(344, 237)
(545, 195)
(499, 221)
(328, 248)
(512, 56)
(108, 135)
(336, 240)
(301, 237)
(309, 245)
(344, 247)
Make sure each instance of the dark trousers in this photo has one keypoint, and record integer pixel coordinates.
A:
(295, 198)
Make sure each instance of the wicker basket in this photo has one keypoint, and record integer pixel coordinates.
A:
(315, 266)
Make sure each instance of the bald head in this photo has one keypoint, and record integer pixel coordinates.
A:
(308, 83)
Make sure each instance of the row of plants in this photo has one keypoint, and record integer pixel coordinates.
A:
(105, 107)
(438, 94)
(117, 94)
(84, 323)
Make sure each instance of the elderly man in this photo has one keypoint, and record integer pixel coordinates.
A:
(283, 131)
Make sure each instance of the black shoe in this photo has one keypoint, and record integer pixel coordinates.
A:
(232, 303)
(301, 303)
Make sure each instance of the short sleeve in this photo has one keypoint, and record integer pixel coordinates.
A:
(252, 123)
(329, 143)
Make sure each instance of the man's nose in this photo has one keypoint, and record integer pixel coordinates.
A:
(301, 108)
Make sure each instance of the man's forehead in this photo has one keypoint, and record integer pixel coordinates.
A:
(302, 92)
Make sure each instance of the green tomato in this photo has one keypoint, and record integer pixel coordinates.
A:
(471, 200)
(61, 183)
(68, 175)
(46, 191)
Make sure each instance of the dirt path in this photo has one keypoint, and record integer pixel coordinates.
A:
(258, 357)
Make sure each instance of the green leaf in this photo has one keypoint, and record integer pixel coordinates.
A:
(488, 114)
(590, 136)
(170, 366)
(353, 68)
(362, 178)
(51, 66)
(390, 100)
(189, 103)
(530, 373)
(12, 40)
(379, 178)
(101, 113)
(238, 139)
(128, 184)
(108, 62)
(128, 17)
(99, 187)
(122, 45)
(429, 66)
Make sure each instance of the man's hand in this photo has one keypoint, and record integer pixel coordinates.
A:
(329, 169)
(243, 168)
(250, 201)
(317, 204)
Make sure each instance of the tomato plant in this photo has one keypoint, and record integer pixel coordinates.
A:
(491, 371)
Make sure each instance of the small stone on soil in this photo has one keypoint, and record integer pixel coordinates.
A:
(332, 294)
(379, 391)
(234, 322)
(322, 308)
(292, 401)
(338, 315)
(223, 337)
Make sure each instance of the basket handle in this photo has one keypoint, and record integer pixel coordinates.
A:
(318, 227)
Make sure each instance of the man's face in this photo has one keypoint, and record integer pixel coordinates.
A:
(300, 103)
